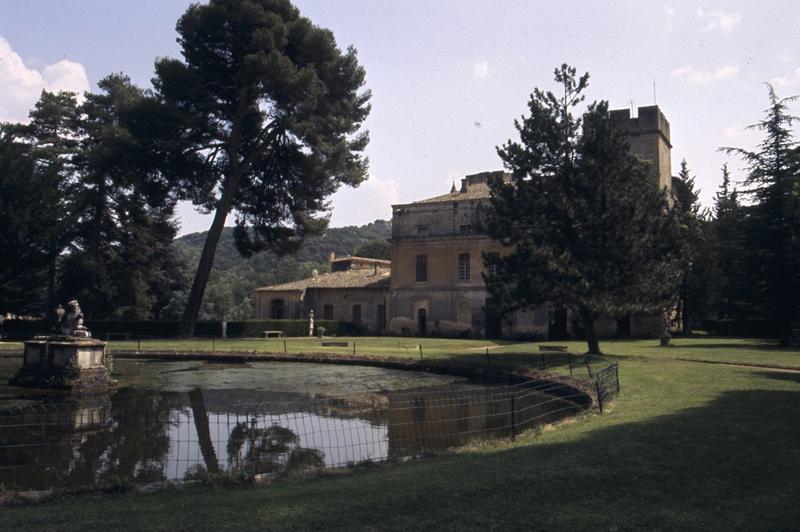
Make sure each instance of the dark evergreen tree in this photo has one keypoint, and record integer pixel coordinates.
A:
(125, 209)
(266, 111)
(38, 201)
(30, 208)
(586, 228)
(731, 294)
(773, 184)
(698, 279)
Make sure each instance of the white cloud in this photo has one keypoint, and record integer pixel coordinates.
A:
(733, 131)
(21, 85)
(783, 82)
(706, 76)
(480, 70)
(718, 20)
(669, 17)
(387, 191)
(784, 57)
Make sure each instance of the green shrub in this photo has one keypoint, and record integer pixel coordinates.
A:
(26, 329)
(743, 328)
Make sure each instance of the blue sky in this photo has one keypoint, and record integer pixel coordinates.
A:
(449, 77)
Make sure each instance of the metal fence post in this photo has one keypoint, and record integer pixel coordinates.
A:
(513, 419)
(599, 396)
(285, 349)
(354, 348)
(616, 372)
(420, 351)
(487, 356)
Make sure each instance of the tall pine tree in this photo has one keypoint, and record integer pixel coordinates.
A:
(729, 250)
(697, 281)
(773, 184)
(262, 118)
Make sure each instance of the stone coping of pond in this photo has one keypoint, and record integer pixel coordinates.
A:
(569, 386)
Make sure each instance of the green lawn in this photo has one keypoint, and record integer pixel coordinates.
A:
(687, 446)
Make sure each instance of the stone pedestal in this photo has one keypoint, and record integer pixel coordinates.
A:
(64, 362)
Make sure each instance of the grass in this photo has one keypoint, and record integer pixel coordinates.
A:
(687, 446)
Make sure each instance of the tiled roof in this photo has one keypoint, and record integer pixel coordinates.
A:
(353, 278)
(473, 187)
(476, 191)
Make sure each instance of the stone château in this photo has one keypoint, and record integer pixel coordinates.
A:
(434, 284)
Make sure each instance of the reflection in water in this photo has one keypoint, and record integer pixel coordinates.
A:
(175, 432)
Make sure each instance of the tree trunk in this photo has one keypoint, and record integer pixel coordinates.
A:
(200, 416)
(51, 287)
(786, 332)
(686, 328)
(189, 319)
(587, 319)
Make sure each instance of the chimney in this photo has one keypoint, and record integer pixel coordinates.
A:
(331, 258)
(464, 185)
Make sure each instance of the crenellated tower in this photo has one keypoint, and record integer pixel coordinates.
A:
(648, 136)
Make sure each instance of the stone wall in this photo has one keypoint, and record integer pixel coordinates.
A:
(342, 302)
(292, 304)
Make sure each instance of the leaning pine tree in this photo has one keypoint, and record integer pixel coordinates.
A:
(586, 226)
(261, 119)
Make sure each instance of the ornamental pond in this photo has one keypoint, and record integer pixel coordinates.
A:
(186, 420)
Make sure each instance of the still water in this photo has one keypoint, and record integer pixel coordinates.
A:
(185, 420)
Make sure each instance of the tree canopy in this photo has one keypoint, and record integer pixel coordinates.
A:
(262, 119)
(584, 225)
(90, 213)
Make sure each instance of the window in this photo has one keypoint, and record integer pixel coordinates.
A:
(327, 312)
(463, 267)
(277, 309)
(356, 314)
(380, 316)
(465, 229)
(422, 230)
(422, 268)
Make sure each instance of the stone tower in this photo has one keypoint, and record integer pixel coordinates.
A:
(648, 136)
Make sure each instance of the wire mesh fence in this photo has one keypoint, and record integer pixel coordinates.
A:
(113, 439)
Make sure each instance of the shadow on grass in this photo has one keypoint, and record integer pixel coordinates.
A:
(730, 464)
(766, 345)
(789, 376)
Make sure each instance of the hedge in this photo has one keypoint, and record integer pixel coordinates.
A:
(744, 328)
(25, 329)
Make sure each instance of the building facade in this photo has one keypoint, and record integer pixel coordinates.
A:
(355, 289)
(437, 282)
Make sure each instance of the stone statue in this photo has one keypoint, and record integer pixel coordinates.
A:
(71, 323)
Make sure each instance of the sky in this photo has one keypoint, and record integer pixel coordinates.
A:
(449, 77)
